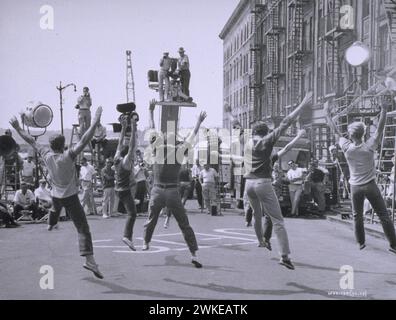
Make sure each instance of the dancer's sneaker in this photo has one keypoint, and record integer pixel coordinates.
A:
(94, 268)
(146, 246)
(195, 262)
(362, 246)
(129, 243)
(392, 249)
(50, 228)
(248, 224)
(265, 244)
(105, 216)
(286, 263)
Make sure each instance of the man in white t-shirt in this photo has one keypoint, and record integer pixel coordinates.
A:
(24, 199)
(87, 173)
(295, 175)
(43, 195)
(28, 171)
(208, 179)
(64, 180)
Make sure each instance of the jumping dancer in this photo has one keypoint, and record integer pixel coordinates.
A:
(165, 193)
(123, 162)
(64, 180)
(360, 158)
(258, 166)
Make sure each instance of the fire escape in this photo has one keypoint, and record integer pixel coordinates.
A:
(272, 69)
(387, 152)
(390, 8)
(295, 51)
(330, 41)
(255, 81)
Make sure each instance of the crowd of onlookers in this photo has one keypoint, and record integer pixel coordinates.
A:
(198, 179)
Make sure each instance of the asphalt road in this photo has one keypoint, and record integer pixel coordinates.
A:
(234, 267)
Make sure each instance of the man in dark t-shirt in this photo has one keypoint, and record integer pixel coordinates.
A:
(108, 178)
(258, 166)
(123, 163)
(316, 178)
(167, 155)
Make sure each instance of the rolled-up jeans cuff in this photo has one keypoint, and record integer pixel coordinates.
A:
(86, 253)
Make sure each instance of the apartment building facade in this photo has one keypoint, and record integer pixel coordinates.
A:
(238, 66)
(296, 46)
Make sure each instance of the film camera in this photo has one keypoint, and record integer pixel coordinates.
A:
(128, 112)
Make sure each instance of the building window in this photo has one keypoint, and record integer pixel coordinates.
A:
(365, 8)
(383, 47)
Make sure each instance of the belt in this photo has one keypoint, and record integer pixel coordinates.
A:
(166, 186)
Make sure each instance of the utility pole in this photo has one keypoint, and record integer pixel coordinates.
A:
(130, 84)
(60, 89)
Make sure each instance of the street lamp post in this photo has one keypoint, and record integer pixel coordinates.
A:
(60, 88)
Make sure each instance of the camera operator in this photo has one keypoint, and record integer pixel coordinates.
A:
(163, 75)
(183, 67)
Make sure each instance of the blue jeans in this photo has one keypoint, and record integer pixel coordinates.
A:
(129, 204)
(263, 199)
(76, 211)
(373, 195)
(170, 198)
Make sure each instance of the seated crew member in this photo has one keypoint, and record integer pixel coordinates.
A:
(43, 195)
(24, 199)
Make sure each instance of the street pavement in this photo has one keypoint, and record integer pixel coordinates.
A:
(234, 267)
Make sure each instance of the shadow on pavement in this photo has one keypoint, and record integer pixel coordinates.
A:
(117, 289)
(171, 261)
(235, 290)
(311, 266)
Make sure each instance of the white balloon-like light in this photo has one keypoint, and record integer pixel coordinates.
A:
(357, 54)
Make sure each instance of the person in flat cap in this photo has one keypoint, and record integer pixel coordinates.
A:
(183, 68)
(43, 195)
(24, 200)
(163, 75)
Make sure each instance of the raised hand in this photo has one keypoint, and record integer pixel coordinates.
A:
(301, 132)
(15, 123)
(308, 98)
(202, 116)
(124, 121)
(98, 113)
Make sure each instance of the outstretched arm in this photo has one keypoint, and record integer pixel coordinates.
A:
(24, 135)
(288, 120)
(124, 125)
(376, 138)
(291, 144)
(128, 160)
(331, 123)
(201, 118)
(87, 137)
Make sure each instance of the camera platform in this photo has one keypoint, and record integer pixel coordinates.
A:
(176, 104)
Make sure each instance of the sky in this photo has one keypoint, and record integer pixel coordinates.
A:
(87, 46)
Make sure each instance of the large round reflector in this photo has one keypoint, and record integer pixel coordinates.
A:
(357, 54)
